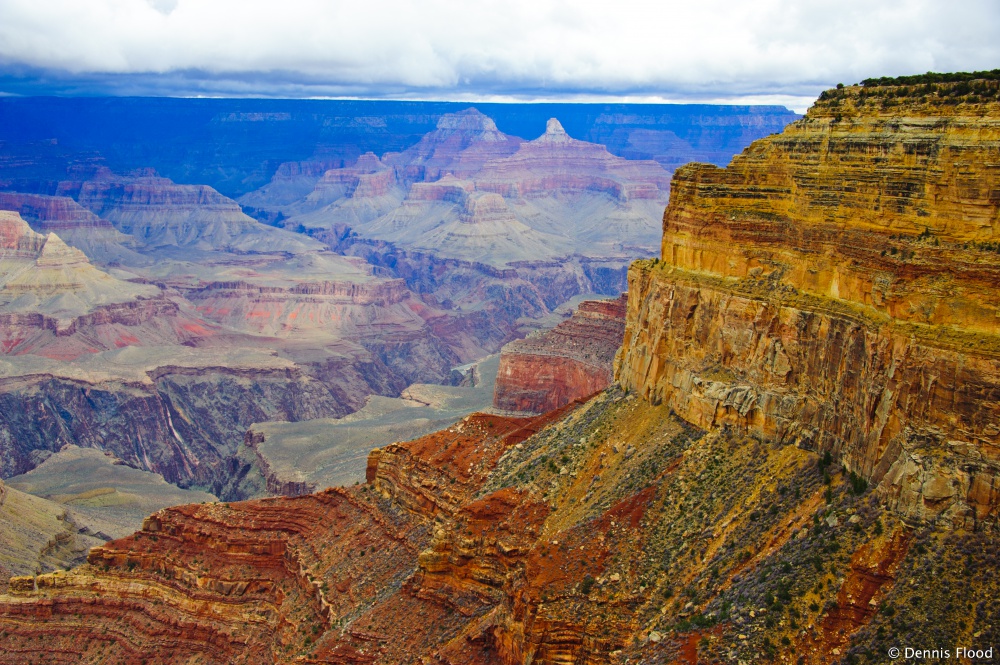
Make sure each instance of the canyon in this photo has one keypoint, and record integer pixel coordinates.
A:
(468, 191)
(796, 453)
(192, 300)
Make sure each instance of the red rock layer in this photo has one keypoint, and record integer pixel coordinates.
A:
(145, 322)
(268, 581)
(571, 361)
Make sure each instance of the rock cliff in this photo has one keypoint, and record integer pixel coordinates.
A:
(162, 213)
(572, 361)
(74, 224)
(834, 288)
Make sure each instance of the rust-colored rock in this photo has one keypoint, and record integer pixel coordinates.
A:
(571, 361)
(715, 511)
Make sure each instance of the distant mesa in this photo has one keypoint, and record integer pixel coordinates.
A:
(562, 195)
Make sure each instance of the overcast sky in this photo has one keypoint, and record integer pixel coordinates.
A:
(698, 50)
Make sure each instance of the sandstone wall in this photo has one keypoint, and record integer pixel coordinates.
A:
(835, 288)
(571, 361)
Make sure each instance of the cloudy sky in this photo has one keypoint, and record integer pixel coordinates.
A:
(698, 50)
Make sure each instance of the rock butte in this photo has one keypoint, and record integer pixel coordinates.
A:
(560, 196)
(782, 468)
(570, 362)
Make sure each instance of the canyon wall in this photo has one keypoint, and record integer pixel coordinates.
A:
(574, 360)
(835, 288)
(237, 145)
(783, 468)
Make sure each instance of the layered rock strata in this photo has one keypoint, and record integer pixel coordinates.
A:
(571, 361)
(670, 522)
(268, 581)
(161, 213)
(468, 191)
(556, 162)
(834, 288)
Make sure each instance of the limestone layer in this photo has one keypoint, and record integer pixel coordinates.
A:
(835, 288)
(895, 207)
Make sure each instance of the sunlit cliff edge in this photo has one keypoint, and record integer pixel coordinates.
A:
(835, 288)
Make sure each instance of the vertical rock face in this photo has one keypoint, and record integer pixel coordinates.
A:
(835, 287)
(887, 206)
(571, 361)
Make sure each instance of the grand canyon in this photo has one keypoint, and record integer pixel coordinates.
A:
(415, 382)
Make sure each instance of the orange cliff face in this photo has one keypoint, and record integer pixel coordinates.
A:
(892, 205)
(572, 361)
(835, 288)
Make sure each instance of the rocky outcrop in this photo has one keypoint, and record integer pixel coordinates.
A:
(554, 162)
(460, 145)
(833, 288)
(39, 535)
(55, 304)
(41, 274)
(449, 189)
(74, 224)
(884, 206)
(53, 213)
(266, 581)
(572, 361)
(183, 424)
(160, 213)
(368, 177)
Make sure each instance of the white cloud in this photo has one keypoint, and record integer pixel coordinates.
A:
(523, 48)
